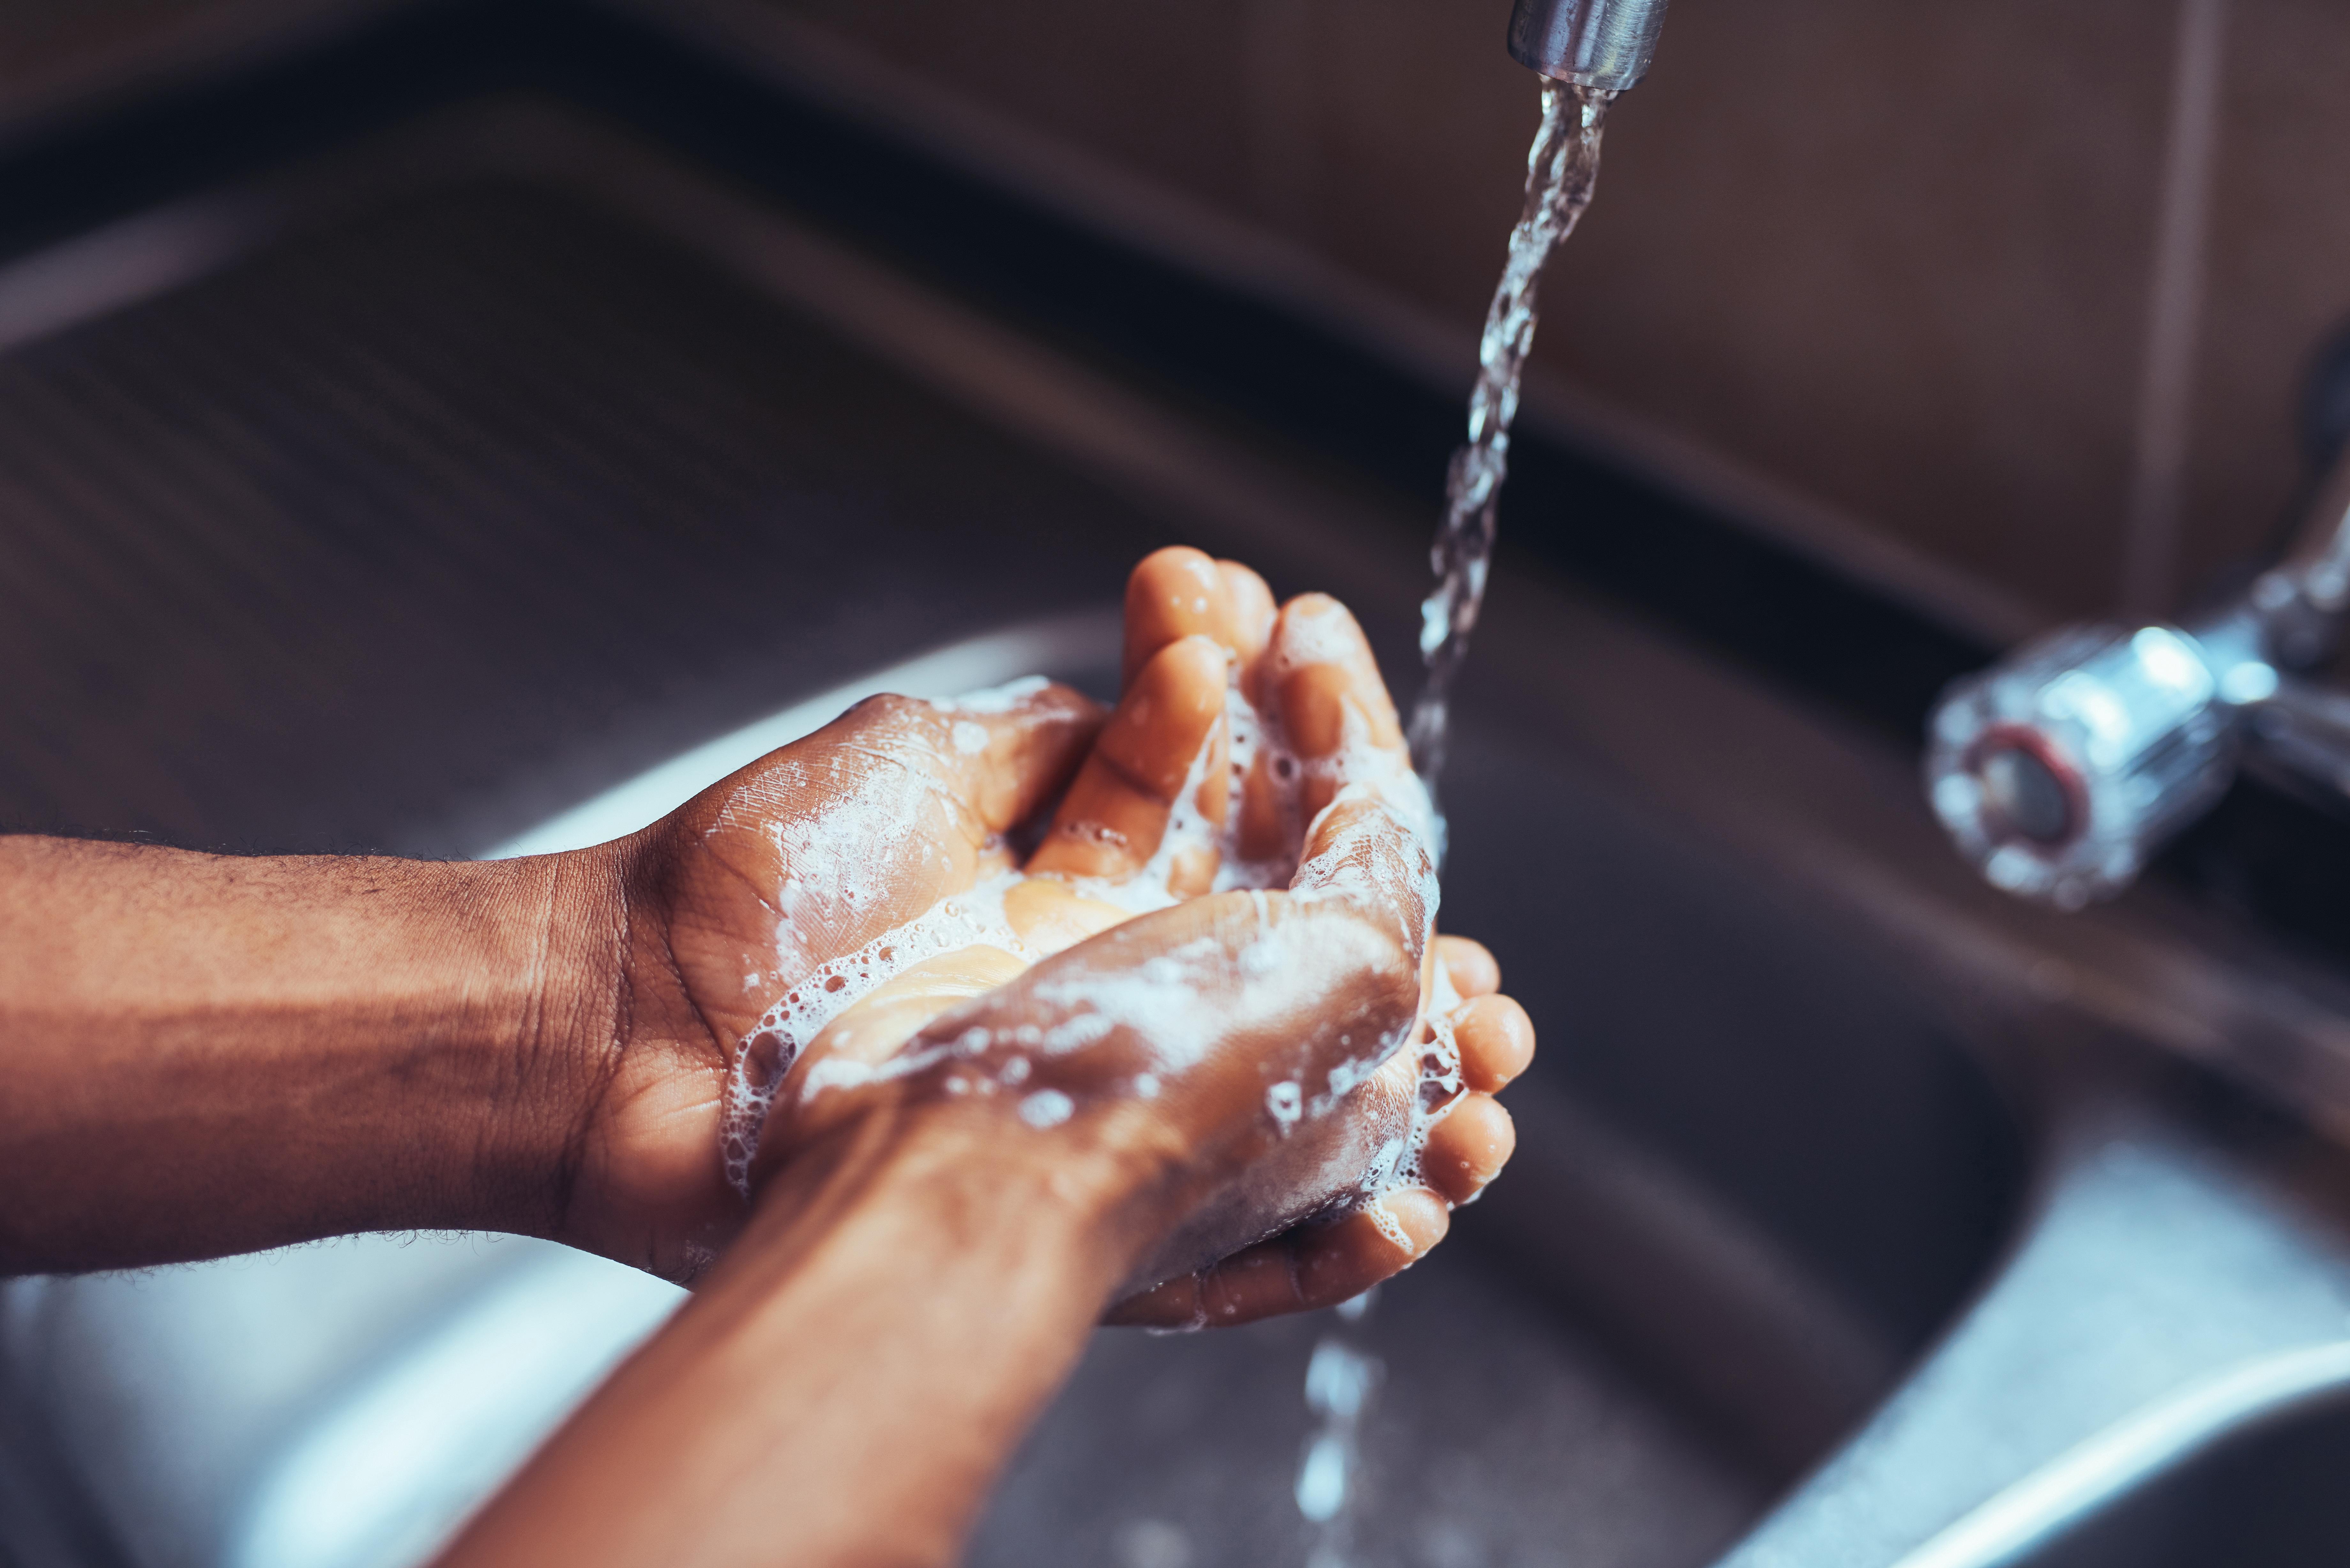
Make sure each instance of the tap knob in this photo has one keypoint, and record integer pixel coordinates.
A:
(2060, 771)
(1604, 43)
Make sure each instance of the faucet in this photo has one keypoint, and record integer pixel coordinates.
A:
(2060, 771)
(1604, 43)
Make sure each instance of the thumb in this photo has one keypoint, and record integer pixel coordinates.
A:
(1009, 752)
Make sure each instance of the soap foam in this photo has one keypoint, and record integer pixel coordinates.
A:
(841, 861)
(1376, 854)
(967, 920)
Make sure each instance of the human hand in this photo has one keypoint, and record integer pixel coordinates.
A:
(755, 888)
(794, 872)
(1103, 1071)
(1284, 1097)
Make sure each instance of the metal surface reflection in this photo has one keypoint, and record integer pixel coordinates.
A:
(2060, 772)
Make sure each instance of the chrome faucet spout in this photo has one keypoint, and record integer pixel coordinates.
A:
(1604, 43)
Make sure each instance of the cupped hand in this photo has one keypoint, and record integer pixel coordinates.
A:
(748, 892)
(1289, 1058)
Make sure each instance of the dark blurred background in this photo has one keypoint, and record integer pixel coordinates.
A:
(1882, 273)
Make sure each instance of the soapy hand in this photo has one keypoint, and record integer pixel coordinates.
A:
(1291, 1047)
(1288, 1048)
(749, 891)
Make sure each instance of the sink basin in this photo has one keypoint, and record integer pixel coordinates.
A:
(2266, 1496)
(345, 1403)
(493, 475)
(1569, 1376)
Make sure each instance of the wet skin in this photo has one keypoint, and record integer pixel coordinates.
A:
(921, 1266)
(925, 819)
(1193, 623)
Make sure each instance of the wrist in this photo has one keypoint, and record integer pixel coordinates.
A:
(1074, 1189)
(626, 1077)
(553, 950)
(890, 1266)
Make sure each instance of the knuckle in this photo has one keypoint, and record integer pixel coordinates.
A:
(888, 708)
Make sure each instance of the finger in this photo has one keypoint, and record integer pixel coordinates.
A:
(1470, 965)
(1002, 754)
(1303, 1268)
(1322, 677)
(844, 834)
(1496, 1042)
(872, 1029)
(1323, 668)
(1175, 593)
(1253, 616)
(1116, 814)
(1008, 760)
(1360, 853)
(1051, 917)
(1468, 1147)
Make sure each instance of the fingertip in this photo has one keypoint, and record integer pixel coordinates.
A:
(1253, 611)
(1315, 628)
(1167, 559)
(1321, 666)
(1418, 1219)
(1174, 1303)
(1495, 1038)
(1166, 714)
(1301, 1270)
(1021, 755)
(1172, 592)
(1470, 965)
(1346, 1258)
(1315, 604)
(1469, 1147)
(1196, 662)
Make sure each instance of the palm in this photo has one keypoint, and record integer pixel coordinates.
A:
(1166, 796)
(752, 889)
(795, 874)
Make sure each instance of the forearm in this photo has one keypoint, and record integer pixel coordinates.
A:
(203, 1054)
(846, 1384)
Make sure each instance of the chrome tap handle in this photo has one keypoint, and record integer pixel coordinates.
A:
(2060, 771)
(1604, 44)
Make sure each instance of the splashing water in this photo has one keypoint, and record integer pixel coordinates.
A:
(1561, 167)
(1341, 1381)
(1561, 170)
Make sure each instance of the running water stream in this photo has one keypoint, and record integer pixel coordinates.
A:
(1561, 167)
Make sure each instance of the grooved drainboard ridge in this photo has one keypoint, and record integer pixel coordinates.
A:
(397, 535)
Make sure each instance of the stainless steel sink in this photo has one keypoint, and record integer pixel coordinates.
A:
(2265, 1497)
(490, 484)
(343, 1403)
